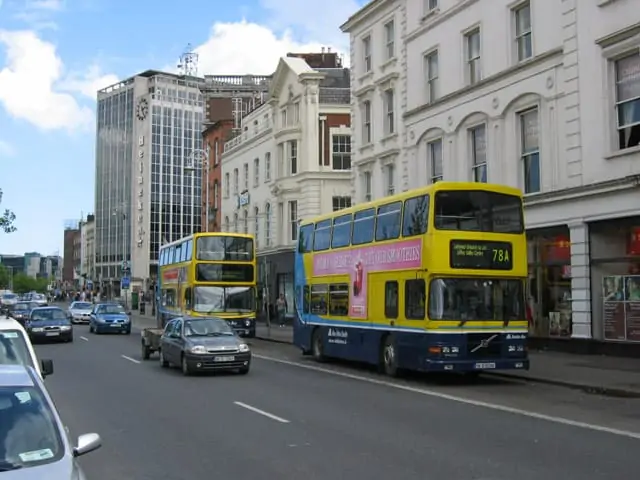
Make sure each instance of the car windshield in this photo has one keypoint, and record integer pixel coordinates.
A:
(22, 306)
(81, 306)
(111, 309)
(224, 299)
(48, 314)
(14, 349)
(469, 299)
(29, 435)
(209, 327)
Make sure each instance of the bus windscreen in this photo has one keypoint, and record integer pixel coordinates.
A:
(478, 211)
(221, 249)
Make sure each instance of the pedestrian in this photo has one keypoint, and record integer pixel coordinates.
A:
(281, 307)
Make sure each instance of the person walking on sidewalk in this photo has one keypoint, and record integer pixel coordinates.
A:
(281, 307)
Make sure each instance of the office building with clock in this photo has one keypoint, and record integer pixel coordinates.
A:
(146, 193)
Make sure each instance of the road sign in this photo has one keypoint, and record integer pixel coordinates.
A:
(125, 283)
(125, 266)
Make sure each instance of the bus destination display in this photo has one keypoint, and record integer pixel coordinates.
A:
(481, 255)
(218, 272)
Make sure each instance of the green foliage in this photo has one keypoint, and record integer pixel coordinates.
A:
(6, 219)
(5, 278)
(24, 284)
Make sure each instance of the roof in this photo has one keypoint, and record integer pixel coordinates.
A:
(8, 323)
(16, 376)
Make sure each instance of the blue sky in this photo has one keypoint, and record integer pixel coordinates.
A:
(55, 54)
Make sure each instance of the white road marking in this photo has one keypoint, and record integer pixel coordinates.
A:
(84, 338)
(262, 412)
(445, 396)
(130, 359)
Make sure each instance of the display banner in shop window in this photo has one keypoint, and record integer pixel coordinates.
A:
(621, 301)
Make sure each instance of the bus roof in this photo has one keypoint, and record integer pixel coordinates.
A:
(428, 189)
(206, 234)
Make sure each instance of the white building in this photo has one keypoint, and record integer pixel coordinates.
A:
(521, 93)
(292, 161)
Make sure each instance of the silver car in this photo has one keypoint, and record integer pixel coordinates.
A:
(80, 312)
(33, 441)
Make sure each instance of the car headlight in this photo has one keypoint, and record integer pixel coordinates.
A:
(198, 349)
(65, 327)
(243, 347)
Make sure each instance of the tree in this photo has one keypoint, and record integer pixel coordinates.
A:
(24, 284)
(6, 219)
(5, 277)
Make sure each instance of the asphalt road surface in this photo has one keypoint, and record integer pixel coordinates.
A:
(291, 418)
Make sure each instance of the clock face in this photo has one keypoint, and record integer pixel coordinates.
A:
(142, 109)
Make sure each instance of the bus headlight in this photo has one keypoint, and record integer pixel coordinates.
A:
(243, 347)
(247, 322)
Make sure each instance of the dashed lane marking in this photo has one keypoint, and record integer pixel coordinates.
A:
(262, 412)
(133, 360)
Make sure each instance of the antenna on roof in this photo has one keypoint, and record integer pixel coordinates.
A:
(188, 62)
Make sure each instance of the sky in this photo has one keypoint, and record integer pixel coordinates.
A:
(55, 55)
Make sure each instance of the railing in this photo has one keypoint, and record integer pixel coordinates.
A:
(251, 131)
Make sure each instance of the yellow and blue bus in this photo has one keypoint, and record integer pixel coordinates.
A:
(432, 279)
(209, 274)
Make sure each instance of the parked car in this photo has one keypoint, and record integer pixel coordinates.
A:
(203, 344)
(110, 318)
(16, 348)
(80, 312)
(49, 323)
(34, 439)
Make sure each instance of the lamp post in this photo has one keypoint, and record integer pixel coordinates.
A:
(120, 211)
(200, 157)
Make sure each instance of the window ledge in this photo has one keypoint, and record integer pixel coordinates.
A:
(389, 137)
(622, 153)
(431, 13)
(366, 146)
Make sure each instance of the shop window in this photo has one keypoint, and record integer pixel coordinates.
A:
(339, 300)
(319, 299)
(391, 299)
(414, 299)
(615, 279)
(548, 294)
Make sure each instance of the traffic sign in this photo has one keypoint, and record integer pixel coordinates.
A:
(125, 283)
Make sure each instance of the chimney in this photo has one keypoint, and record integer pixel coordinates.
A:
(322, 50)
(328, 49)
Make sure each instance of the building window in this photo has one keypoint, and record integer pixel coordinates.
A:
(522, 18)
(216, 152)
(236, 180)
(390, 37)
(227, 185)
(434, 152)
(267, 224)
(390, 173)
(256, 171)
(296, 113)
(340, 203)
(628, 101)
(530, 150)
(283, 118)
(389, 122)
(430, 5)
(226, 223)
(246, 176)
(256, 224)
(293, 219)
(245, 222)
(216, 192)
(267, 166)
(366, 53)
(431, 75)
(366, 122)
(366, 181)
(293, 157)
(280, 170)
(472, 41)
(478, 144)
(341, 152)
(235, 222)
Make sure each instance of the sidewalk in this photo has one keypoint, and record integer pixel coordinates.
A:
(615, 376)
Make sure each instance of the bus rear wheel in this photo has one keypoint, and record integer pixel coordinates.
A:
(388, 357)
(317, 347)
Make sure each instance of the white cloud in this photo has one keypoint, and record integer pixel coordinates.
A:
(29, 84)
(89, 82)
(6, 149)
(38, 13)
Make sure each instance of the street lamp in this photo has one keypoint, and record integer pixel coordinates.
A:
(120, 211)
(200, 157)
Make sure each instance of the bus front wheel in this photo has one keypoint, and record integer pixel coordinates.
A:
(388, 357)
(317, 347)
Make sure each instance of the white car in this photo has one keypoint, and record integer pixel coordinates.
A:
(40, 299)
(16, 348)
(9, 299)
(80, 312)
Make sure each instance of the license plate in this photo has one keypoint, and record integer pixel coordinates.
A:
(485, 366)
(224, 359)
(116, 325)
(52, 334)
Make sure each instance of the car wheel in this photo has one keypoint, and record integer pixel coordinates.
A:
(186, 371)
(163, 362)
(91, 330)
(317, 347)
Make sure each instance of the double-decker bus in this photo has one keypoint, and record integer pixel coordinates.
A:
(432, 279)
(209, 274)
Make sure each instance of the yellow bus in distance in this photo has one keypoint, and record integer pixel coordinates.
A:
(209, 274)
(432, 279)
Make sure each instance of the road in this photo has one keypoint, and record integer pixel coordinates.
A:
(291, 418)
